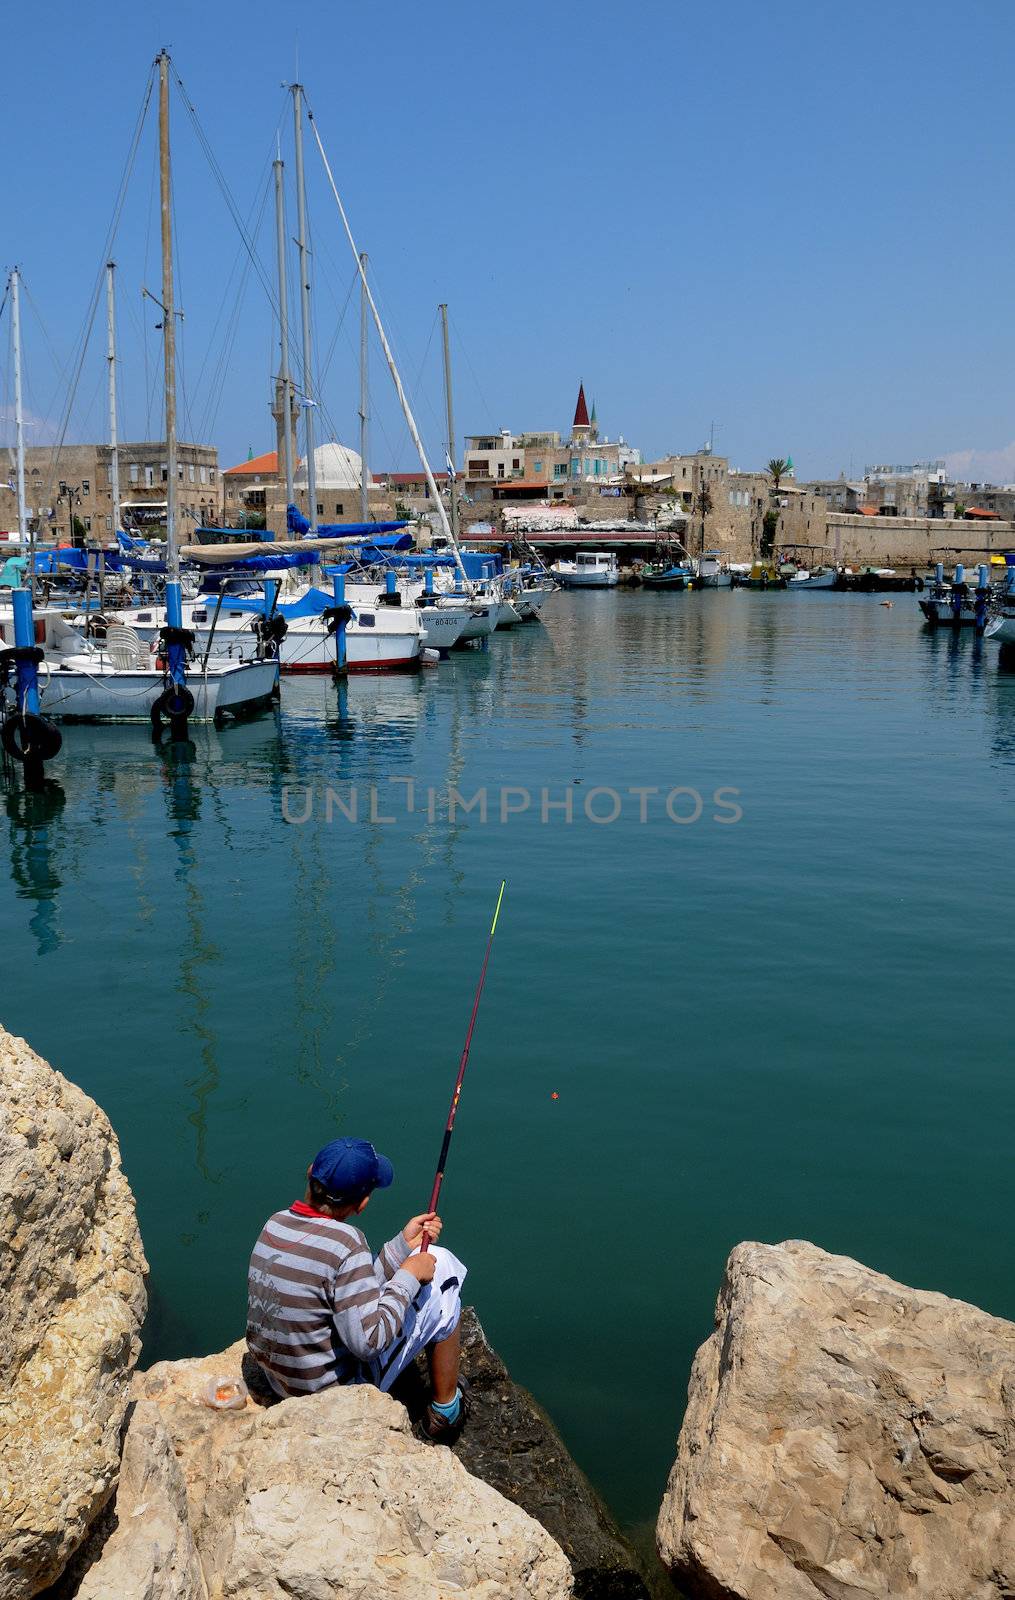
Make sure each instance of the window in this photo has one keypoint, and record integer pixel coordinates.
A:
(339, 507)
(149, 477)
(165, 472)
(134, 472)
(479, 468)
(179, 474)
(88, 524)
(560, 469)
(211, 474)
(537, 466)
(574, 466)
(515, 461)
(109, 524)
(192, 472)
(204, 474)
(500, 469)
(320, 509)
(86, 486)
(366, 619)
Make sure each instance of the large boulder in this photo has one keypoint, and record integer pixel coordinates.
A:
(844, 1437)
(72, 1299)
(317, 1498)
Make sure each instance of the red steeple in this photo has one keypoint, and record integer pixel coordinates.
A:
(581, 410)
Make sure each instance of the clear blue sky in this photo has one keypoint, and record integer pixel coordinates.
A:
(794, 220)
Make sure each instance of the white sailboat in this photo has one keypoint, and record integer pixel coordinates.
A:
(123, 679)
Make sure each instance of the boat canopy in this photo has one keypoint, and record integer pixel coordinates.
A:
(310, 604)
(297, 523)
(294, 558)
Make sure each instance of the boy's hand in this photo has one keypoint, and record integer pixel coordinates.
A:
(421, 1267)
(428, 1222)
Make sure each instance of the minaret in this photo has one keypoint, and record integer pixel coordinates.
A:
(581, 427)
(593, 424)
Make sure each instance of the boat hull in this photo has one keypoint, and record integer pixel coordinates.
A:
(81, 689)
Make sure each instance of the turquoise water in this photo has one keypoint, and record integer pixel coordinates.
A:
(790, 1025)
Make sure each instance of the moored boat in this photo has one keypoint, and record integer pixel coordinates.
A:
(590, 569)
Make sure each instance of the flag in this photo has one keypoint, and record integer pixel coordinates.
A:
(451, 466)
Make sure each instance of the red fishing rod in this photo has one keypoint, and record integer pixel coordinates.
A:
(449, 1130)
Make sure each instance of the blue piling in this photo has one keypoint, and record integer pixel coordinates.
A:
(339, 589)
(389, 582)
(428, 581)
(24, 639)
(982, 596)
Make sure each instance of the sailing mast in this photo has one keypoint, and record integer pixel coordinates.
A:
(410, 420)
(283, 319)
(308, 387)
(364, 395)
(114, 460)
(452, 469)
(19, 428)
(174, 636)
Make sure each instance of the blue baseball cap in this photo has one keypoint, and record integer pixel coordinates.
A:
(351, 1167)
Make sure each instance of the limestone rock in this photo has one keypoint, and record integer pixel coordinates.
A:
(72, 1299)
(845, 1437)
(150, 1554)
(323, 1497)
(512, 1444)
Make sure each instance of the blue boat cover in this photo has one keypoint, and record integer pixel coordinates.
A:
(310, 605)
(297, 523)
(295, 558)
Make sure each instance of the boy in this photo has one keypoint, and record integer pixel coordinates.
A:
(321, 1310)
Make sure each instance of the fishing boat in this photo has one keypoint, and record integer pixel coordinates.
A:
(590, 569)
(797, 564)
(711, 574)
(666, 575)
(811, 578)
(954, 602)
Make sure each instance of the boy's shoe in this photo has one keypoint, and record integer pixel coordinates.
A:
(437, 1429)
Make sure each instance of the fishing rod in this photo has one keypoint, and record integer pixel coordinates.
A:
(449, 1130)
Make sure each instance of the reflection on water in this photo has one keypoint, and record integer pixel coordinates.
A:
(739, 1022)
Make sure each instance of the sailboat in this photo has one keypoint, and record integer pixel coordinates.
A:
(127, 678)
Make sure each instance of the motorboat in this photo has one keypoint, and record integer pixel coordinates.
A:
(590, 569)
(711, 574)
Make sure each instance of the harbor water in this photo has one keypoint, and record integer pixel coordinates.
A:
(763, 995)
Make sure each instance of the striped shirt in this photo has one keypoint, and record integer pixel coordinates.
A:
(318, 1305)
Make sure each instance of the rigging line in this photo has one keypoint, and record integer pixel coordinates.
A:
(107, 249)
(221, 372)
(324, 369)
(463, 347)
(226, 192)
(241, 267)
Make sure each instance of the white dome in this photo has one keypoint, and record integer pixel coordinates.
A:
(336, 467)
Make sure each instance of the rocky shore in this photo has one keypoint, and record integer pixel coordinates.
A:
(845, 1436)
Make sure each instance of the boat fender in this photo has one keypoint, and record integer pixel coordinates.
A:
(168, 636)
(333, 615)
(28, 737)
(271, 630)
(174, 702)
(24, 652)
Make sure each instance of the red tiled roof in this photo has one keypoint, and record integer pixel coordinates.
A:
(980, 511)
(581, 410)
(260, 466)
(521, 483)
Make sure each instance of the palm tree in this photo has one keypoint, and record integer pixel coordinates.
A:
(777, 466)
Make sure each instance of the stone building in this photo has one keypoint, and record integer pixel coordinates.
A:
(75, 482)
(547, 460)
(725, 508)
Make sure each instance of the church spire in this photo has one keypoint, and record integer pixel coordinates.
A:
(581, 410)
